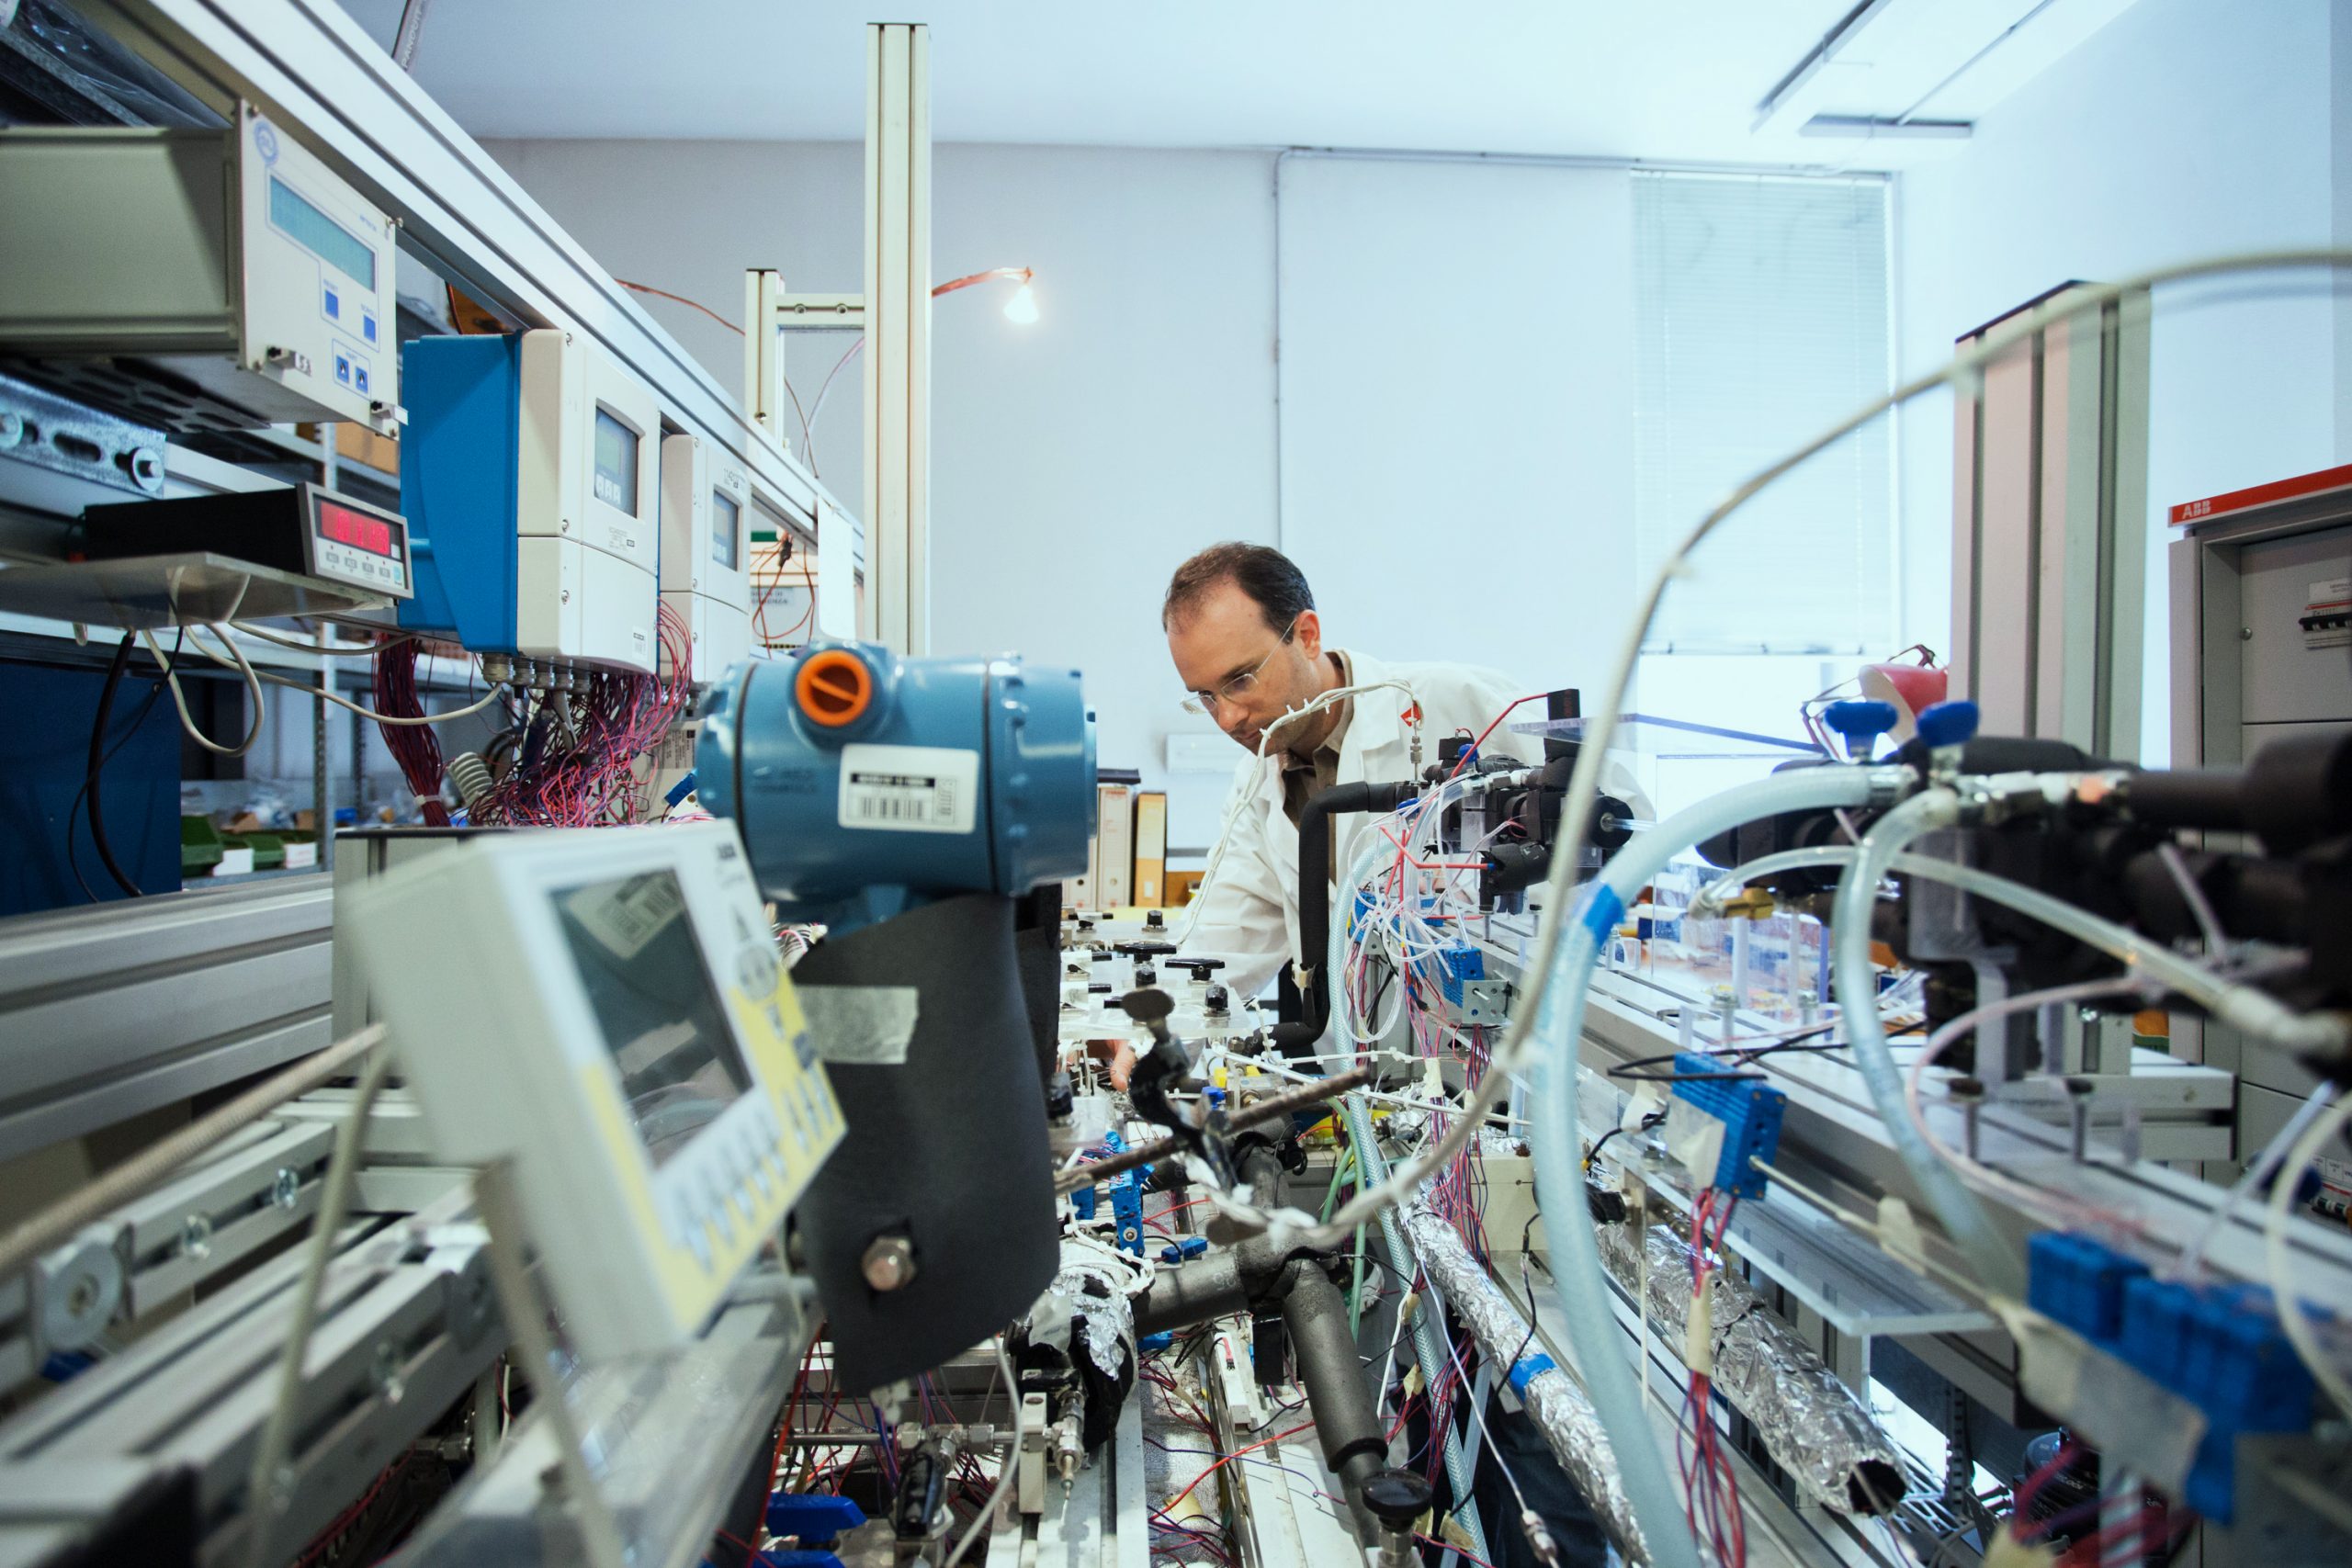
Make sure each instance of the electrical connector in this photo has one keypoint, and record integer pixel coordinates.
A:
(2220, 1348)
(1750, 1112)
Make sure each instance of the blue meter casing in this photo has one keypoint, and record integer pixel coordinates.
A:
(865, 784)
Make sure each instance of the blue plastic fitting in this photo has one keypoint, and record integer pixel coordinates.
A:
(1862, 721)
(1949, 724)
(1184, 1247)
(812, 1517)
(1159, 1341)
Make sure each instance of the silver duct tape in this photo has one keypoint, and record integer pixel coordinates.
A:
(1808, 1421)
(1552, 1400)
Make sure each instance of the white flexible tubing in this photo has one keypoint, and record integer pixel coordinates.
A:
(2191, 1262)
(1964, 1217)
(1559, 1165)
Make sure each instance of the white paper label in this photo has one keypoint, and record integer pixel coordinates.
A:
(909, 789)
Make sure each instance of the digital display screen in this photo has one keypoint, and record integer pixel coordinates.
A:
(321, 235)
(615, 463)
(356, 529)
(662, 1021)
(726, 528)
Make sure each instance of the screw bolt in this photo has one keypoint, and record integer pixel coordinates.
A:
(889, 1263)
(286, 1188)
(196, 1236)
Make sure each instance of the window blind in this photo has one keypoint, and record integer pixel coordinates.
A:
(1762, 315)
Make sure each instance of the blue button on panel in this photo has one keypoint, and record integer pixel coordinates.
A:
(360, 376)
(334, 305)
(368, 325)
(343, 369)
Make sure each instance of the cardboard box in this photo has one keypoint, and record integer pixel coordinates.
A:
(1151, 849)
(1116, 830)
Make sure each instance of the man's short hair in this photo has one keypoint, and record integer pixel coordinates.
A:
(1270, 578)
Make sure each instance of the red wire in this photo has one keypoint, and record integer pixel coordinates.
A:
(1465, 758)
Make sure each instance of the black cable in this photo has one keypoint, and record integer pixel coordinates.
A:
(130, 733)
(1593, 1153)
(97, 761)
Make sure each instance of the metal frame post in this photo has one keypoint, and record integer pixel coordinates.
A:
(897, 334)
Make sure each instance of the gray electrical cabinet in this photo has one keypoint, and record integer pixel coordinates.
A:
(2261, 649)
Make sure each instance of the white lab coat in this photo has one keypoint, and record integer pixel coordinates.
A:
(1247, 913)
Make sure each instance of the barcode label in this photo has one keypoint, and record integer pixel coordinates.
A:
(909, 789)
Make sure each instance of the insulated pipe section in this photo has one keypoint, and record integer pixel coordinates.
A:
(1374, 1169)
(1355, 1447)
(1559, 1409)
(1315, 880)
(1811, 1423)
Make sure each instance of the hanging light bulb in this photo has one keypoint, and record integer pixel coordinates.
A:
(1023, 306)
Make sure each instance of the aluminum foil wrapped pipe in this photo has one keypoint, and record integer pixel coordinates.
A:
(1809, 1422)
(1374, 1169)
(1559, 1409)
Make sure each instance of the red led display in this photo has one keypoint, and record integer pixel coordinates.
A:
(356, 529)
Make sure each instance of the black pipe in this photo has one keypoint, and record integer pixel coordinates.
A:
(1205, 1288)
(1354, 1446)
(1315, 879)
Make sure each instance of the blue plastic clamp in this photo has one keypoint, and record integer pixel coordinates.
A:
(1184, 1247)
(1949, 724)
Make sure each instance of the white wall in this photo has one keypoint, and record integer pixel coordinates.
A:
(1457, 415)
(1074, 461)
(2183, 128)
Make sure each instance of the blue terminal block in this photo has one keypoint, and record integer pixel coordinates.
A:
(865, 784)
(1185, 1248)
(1750, 1113)
(2219, 1346)
(1456, 964)
(811, 1518)
(2079, 1281)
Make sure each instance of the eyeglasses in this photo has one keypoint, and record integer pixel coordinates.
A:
(1236, 687)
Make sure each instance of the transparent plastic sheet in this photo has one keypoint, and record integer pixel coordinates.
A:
(1809, 1423)
(1558, 1408)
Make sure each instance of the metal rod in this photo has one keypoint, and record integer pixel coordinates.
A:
(1274, 1105)
(135, 1176)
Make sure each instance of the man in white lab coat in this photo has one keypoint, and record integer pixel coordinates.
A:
(1247, 643)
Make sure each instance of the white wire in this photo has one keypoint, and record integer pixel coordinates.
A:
(2191, 1261)
(2292, 1316)
(1977, 1174)
(1011, 1460)
(229, 643)
(326, 650)
(2199, 905)
(188, 720)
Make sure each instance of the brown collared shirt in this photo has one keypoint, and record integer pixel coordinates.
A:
(1306, 777)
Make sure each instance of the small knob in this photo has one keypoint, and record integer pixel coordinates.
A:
(1153, 921)
(1948, 724)
(1860, 721)
(1397, 1499)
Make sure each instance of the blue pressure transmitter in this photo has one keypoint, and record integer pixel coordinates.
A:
(865, 784)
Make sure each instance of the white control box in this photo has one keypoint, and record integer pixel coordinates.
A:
(705, 552)
(587, 506)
